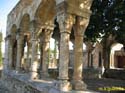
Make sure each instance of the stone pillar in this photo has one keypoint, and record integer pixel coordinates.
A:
(10, 56)
(29, 52)
(41, 56)
(19, 50)
(6, 59)
(34, 60)
(79, 29)
(77, 8)
(46, 44)
(34, 56)
(65, 23)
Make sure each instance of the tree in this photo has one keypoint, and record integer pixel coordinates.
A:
(107, 20)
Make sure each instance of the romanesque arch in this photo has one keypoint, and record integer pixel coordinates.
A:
(46, 12)
(24, 24)
(44, 26)
(13, 47)
(23, 36)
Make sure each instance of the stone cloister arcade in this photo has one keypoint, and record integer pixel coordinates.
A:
(31, 25)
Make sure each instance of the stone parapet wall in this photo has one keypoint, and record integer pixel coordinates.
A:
(21, 84)
(92, 73)
(115, 73)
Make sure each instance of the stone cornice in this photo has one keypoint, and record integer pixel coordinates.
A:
(75, 9)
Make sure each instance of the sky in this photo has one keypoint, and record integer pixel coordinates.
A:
(5, 7)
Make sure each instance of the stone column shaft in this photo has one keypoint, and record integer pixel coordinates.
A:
(34, 52)
(78, 58)
(10, 53)
(10, 56)
(6, 59)
(19, 53)
(29, 52)
(34, 60)
(79, 27)
(45, 59)
(46, 44)
(65, 24)
(64, 56)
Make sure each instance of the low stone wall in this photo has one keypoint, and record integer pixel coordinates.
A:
(18, 83)
(115, 73)
(91, 73)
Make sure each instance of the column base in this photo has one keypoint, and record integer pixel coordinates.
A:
(78, 85)
(33, 75)
(63, 85)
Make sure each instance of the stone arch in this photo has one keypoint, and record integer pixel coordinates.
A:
(13, 31)
(25, 22)
(115, 54)
(46, 12)
(25, 35)
(44, 18)
(13, 49)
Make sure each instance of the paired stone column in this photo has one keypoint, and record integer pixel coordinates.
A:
(19, 50)
(34, 57)
(46, 44)
(65, 23)
(79, 29)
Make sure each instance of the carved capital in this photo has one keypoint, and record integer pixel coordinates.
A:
(65, 22)
(80, 26)
(19, 34)
(48, 34)
(49, 27)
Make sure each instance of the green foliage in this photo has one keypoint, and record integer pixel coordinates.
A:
(107, 18)
(113, 88)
